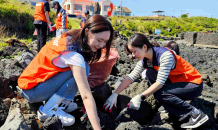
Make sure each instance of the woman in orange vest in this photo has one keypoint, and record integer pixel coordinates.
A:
(61, 68)
(61, 19)
(172, 80)
(41, 22)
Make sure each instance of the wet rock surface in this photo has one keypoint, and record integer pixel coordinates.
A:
(205, 60)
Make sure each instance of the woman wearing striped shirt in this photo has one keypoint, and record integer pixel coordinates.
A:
(172, 80)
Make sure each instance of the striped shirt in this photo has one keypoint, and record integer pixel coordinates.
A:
(167, 62)
(63, 18)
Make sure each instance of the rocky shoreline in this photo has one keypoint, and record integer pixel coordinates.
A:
(18, 113)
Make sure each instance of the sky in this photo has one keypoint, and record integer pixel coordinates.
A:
(207, 8)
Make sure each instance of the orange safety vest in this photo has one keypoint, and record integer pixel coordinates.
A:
(42, 66)
(39, 11)
(183, 72)
(59, 20)
(82, 23)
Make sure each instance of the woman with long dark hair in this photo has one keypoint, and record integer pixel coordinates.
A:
(61, 19)
(61, 68)
(172, 80)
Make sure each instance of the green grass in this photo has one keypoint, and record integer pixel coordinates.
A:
(23, 14)
(73, 23)
(20, 14)
(143, 25)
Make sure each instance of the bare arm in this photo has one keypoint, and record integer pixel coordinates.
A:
(79, 74)
(152, 89)
(123, 85)
(47, 17)
(131, 77)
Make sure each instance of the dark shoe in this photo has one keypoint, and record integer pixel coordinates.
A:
(196, 120)
(162, 109)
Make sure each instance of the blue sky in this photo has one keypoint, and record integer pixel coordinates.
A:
(206, 8)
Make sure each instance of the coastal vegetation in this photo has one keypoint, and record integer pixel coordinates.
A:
(16, 21)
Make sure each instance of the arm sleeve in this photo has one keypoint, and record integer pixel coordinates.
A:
(167, 62)
(72, 58)
(63, 19)
(46, 7)
(136, 71)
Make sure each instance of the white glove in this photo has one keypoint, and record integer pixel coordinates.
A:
(135, 102)
(49, 26)
(112, 100)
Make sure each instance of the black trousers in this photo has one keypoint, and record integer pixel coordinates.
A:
(41, 35)
(173, 96)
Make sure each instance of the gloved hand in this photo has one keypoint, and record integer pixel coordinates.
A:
(49, 26)
(135, 102)
(112, 100)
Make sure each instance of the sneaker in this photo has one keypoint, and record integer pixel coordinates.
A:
(66, 119)
(68, 105)
(196, 120)
(162, 109)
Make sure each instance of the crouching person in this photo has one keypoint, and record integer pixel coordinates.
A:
(61, 68)
(172, 80)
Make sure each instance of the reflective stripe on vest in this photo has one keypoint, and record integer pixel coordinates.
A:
(39, 11)
(59, 20)
(41, 67)
(183, 72)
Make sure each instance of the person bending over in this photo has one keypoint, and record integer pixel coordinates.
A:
(184, 82)
(61, 68)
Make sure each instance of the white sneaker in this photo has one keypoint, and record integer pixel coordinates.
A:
(68, 105)
(66, 119)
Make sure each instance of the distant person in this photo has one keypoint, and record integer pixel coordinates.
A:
(84, 19)
(41, 22)
(61, 19)
(61, 68)
(172, 44)
(171, 80)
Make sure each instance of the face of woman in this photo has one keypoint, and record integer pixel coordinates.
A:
(98, 40)
(56, 6)
(137, 52)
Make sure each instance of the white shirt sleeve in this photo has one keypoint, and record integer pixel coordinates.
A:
(70, 58)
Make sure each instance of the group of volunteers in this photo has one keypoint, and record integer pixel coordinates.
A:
(42, 21)
(62, 65)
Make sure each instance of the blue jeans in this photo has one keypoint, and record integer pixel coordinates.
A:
(62, 84)
(58, 32)
(173, 96)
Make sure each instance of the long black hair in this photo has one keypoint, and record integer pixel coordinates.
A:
(138, 40)
(95, 24)
(58, 9)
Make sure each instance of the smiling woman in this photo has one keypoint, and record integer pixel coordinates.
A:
(98, 40)
(61, 69)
